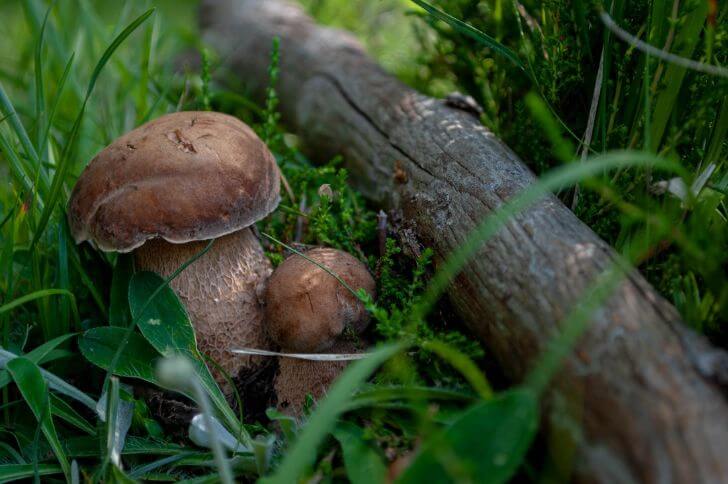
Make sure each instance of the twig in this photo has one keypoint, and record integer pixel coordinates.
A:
(590, 124)
(382, 232)
(300, 219)
(659, 53)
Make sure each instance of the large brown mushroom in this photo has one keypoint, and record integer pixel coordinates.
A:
(309, 310)
(162, 189)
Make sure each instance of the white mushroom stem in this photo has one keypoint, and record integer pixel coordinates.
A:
(220, 291)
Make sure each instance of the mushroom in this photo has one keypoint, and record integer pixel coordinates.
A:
(167, 186)
(309, 310)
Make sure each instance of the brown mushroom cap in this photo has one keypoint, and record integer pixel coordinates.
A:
(182, 177)
(307, 308)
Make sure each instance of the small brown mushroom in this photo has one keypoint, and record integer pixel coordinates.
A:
(309, 310)
(166, 186)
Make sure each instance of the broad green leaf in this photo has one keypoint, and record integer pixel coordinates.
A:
(363, 461)
(486, 444)
(165, 324)
(164, 321)
(32, 386)
(323, 419)
(98, 345)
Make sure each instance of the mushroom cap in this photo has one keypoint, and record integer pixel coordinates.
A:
(307, 308)
(183, 177)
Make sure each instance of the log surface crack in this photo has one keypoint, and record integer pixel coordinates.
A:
(350, 101)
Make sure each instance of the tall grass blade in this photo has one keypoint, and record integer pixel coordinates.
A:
(33, 387)
(473, 33)
(38, 295)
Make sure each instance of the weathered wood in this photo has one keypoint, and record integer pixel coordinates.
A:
(638, 396)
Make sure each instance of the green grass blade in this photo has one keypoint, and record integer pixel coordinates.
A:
(38, 295)
(40, 102)
(7, 108)
(17, 166)
(473, 33)
(64, 282)
(16, 472)
(467, 368)
(33, 388)
(66, 412)
(54, 107)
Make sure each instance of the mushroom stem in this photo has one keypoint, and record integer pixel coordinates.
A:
(298, 378)
(221, 295)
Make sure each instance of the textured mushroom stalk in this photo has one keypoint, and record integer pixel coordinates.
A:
(298, 378)
(309, 310)
(220, 294)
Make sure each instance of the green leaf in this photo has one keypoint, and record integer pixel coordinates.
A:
(15, 472)
(486, 444)
(165, 324)
(32, 386)
(98, 345)
(164, 321)
(323, 420)
(363, 462)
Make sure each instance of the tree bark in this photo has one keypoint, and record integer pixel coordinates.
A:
(638, 400)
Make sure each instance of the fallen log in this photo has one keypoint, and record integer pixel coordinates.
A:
(639, 398)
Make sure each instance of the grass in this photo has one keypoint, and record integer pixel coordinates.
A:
(76, 331)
